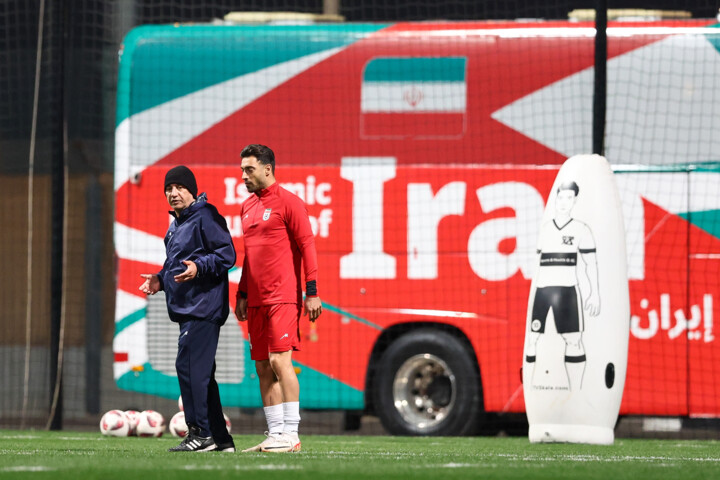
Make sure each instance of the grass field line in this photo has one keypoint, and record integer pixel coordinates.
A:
(598, 458)
(27, 468)
(532, 458)
(272, 466)
(36, 437)
(5, 451)
(453, 465)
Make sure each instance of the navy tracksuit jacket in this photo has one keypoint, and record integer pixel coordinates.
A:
(201, 307)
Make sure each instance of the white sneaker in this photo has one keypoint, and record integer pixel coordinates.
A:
(287, 442)
(267, 441)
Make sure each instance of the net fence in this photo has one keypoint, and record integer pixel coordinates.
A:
(424, 139)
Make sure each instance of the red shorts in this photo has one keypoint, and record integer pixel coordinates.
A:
(273, 328)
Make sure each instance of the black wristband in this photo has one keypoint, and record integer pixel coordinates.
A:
(242, 294)
(311, 288)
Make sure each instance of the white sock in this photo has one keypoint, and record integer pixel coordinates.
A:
(274, 417)
(291, 416)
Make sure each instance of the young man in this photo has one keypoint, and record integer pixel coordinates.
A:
(564, 285)
(199, 253)
(278, 238)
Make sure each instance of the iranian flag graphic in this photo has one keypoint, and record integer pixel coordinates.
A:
(406, 97)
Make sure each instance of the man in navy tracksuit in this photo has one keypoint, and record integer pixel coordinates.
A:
(199, 253)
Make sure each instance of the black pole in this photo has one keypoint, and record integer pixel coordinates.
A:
(93, 279)
(58, 19)
(600, 91)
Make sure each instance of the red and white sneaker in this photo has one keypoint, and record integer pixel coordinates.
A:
(270, 438)
(286, 442)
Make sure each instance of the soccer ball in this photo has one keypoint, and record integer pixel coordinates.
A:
(227, 422)
(133, 417)
(177, 426)
(180, 405)
(151, 424)
(114, 423)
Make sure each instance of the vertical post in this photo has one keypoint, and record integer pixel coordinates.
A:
(600, 90)
(331, 7)
(57, 171)
(93, 293)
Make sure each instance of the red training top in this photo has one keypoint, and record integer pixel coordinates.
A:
(277, 234)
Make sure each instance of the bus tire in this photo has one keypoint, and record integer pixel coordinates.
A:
(427, 383)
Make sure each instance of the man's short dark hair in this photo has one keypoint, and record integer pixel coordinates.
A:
(263, 154)
(569, 186)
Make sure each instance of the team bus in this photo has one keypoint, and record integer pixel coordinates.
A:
(425, 153)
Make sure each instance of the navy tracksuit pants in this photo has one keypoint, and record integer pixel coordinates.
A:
(195, 366)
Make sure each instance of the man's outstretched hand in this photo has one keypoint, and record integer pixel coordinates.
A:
(188, 274)
(151, 285)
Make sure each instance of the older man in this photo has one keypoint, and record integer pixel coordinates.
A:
(199, 253)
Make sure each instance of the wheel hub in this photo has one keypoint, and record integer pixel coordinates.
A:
(424, 390)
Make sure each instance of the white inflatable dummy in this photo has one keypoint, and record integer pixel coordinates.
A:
(576, 340)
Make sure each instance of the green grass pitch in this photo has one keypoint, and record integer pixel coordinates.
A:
(81, 456)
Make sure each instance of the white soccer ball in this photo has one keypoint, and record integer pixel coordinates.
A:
(180, 405)
(133, 417)
(151, 424)
(114, 423)
(177, 426)
(227, 422)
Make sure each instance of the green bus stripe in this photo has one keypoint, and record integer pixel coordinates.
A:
(340, 311)
(320, 389)
(708, 220)
(136, 316)
(713, 37)
(160, 63)
(424, 69)
(142, 313)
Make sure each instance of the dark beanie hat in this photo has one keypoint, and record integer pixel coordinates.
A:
(182, 175)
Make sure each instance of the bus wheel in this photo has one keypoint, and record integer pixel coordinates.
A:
(427, 384)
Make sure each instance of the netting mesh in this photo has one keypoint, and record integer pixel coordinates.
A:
(361, 116)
